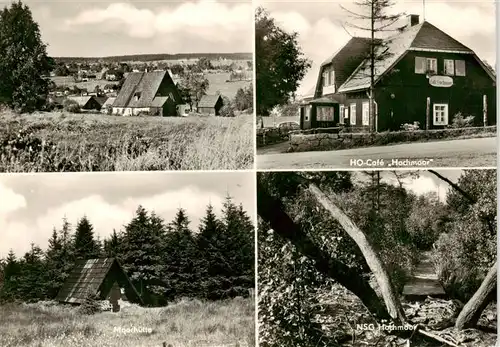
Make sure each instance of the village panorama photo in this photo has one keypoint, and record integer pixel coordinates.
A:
(129, 260)
(375, 83)
(126, 86)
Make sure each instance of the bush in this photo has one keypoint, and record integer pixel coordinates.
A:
(91, 305)
(227, 111)
(410, 127)
(71, 106)
(459, 121)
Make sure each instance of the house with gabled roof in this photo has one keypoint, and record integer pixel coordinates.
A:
(210, 104)
(152, 93)
(87, 102)
(423, 75)
(96, 277)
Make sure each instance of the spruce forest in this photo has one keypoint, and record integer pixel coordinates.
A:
(166, 261)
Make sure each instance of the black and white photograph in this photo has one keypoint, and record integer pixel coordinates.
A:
(126, 85)
(127, 259)
(375, 84)
(377, 258)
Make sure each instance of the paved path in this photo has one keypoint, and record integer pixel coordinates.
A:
(425, 280)
(479, 152)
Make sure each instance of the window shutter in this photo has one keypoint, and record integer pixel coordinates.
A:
(460, 67)
(420, 65)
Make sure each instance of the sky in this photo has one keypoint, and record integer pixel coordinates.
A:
(321, 30)
(33, 204)
(105, 28)
(426, 182)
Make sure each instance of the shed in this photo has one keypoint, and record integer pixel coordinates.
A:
(210, 104)
(88, 102)
(97, 277)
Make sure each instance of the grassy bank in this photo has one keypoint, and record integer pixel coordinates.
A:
(186, 323)
(85, 142)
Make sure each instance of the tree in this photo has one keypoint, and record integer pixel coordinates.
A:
(227, 109)
(194, 86)
(204, 63)
(24, 64)
(11, 272)
(375, 13)
(141, 255)
(280, 63)
(59, 259)
(243, 100)
(112, 245)
(85, 245)
(31, 280)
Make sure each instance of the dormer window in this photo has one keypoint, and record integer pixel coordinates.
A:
(137, 96)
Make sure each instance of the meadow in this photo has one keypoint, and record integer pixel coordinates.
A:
(186, 323)
(62, 142)
(217, 82)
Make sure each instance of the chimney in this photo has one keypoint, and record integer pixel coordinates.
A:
(413, 19)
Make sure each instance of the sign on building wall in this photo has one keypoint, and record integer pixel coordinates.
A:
(441, 81)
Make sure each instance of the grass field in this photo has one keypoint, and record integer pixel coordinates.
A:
(187, 323)
(51, 142)
(217, 82)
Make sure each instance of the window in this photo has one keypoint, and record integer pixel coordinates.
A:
(460, 67)
(325, 82)
(449, 67)
(440, 114)
(332, 77)
(342, 115)
(366, 113)
(353, 114)
(137, 96)
(324, 114)
(308, 114)
(432, 65)
(420, 65)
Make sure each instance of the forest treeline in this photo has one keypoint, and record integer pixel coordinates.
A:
(164, 261)
(459, 231)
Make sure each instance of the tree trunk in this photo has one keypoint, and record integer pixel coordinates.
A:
(388, 293)
(272, 211)
(472, 310)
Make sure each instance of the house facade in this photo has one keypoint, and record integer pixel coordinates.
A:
(423, 75)
(152, 93)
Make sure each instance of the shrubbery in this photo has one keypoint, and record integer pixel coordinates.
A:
(71, 106)
(459, 121)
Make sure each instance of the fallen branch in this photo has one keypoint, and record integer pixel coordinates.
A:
(437, 338)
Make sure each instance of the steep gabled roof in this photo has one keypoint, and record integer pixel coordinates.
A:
(81, 100)
(108, 102)
(345, 60)
(208, 100)
(393, 48)
(145, 85)
(420, 37)
(86, 278)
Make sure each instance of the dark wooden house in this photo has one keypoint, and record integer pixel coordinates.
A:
(210, 104)
(421, 69)
(87, 103)
(96, 277)
(152, 93)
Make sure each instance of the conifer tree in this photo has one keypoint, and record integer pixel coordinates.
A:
(11, 274)
(140, 255)
(32, 275)
(181, 258)
(85, 245)
(111, 246)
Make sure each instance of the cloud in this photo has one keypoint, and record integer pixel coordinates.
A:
(10, 201)
(207, 19)
(104, 216)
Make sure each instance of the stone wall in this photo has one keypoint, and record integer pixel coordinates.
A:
(301, 142)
